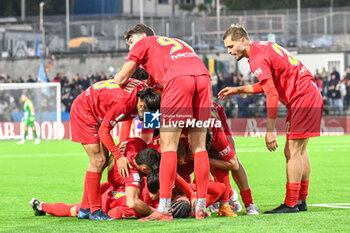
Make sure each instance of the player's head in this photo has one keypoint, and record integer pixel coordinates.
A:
(146, 160)
(147, 101)
(23, 98)
(136, 33)
(153, 184)
(140, 74)
(236, 41)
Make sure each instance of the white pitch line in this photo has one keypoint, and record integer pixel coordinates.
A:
(334, 205)
(39, 155)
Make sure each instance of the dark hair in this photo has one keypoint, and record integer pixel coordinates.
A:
(150, 98)
(149, 157)
(138, 29)
(153, 181)
(180, 148)
(208, 140)
(140, 74)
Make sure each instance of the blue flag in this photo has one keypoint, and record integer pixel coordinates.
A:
(38, 52)
(42, 77)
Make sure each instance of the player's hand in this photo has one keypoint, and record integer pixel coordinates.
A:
(123, 166)
(193, 207)
(271, 141)
(227, 91)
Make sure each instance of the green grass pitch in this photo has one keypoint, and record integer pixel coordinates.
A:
(53, 171)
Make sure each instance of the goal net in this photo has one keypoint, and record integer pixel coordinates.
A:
(46, 100)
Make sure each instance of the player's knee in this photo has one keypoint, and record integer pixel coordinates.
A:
(98, 162)
(287, 153)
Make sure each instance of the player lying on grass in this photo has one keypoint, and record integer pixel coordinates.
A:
(282, 77)
(142, 163)
(94, 113)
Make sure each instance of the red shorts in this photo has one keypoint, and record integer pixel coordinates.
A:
(305, 115)
(186, 97)
(222, 145)
(83, 125)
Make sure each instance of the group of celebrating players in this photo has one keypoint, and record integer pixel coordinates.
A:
(150, 177)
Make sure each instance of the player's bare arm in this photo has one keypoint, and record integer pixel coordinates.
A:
(247, 89)
(134, 202)
(123, 163)
(123, 76)
(221, 164)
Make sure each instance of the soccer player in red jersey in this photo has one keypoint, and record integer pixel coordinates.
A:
(282, 77)
(94, 113)
(120, 196)
(186, 95)
(225, 138)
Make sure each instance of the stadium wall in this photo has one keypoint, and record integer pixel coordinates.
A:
(240, 126)
(70, 65)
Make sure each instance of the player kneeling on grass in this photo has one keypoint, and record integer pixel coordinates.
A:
(121, 198)
(185, 169)
(223, 146)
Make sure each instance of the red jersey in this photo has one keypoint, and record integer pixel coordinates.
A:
(166, 58)
(129, 148)
(218, 112)
(155, 143)
(110, 103)
(291, 77)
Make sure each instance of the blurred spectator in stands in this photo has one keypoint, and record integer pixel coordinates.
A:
(336, 73)
(246, 105)
(341, 87)
(347, 73)
(221, 81)
(333, 94)
(324, 74)
(3, 79)
(347, 97)
(77, 90)
(235, 81)
(214, 84)
(317, 73)
(19, 80)
(319, 83)
(57, 78)
(30, 79)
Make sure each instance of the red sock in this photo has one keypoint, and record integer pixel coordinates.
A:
(215, 191)
(57, 209)
(223, 177)
(292, 194)
(231, 192)
(93, 180)
(201, 172)
(85, 204)
(167, 173)
(247, 197)
(304, 188)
